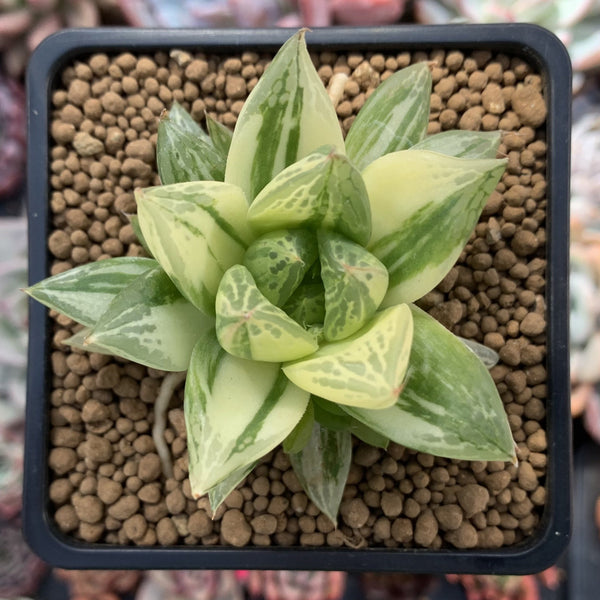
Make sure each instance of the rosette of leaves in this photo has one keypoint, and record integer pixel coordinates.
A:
(286, 261)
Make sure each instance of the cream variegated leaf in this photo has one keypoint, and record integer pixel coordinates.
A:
(366, 369)
(462, 143)
(219, 135)
(287, 116)
(424, 207)
(151, 323)
(449, 405)
(251, 327)
(218, 493)
(395, 116)
(84, 293)
(196, 231)
(321, 191)
(236, 411)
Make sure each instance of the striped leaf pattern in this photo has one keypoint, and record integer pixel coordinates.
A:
(424, 207)
(300, 435)
(307, 304)
(366, 369)
(249, 326)
(218, 493)
(355, 283)
(219, 135)
(323, 190)
(196, 231)
(462, 143)
(184, 152)
(80, 341)
(135, 225)
(395, 116)
(279, 260)
(322, 468)
(287, 116)
(150, 323)
(449, 405)
(235, 412)
(84, 293)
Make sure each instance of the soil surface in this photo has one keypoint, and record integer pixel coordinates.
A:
(107, 483)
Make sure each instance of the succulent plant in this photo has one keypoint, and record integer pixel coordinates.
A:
(285, 266)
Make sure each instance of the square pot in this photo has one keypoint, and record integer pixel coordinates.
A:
(533, 45)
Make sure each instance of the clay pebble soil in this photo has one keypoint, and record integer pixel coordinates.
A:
(107, 484)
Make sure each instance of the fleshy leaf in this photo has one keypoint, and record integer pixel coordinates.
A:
(449, 405)
(249, 326)
(322, 468)
(79, 341)
(486, 355)
(462, 143)
(196, 231)
(218, 493)
(135, 225)
(236, 411)
(395, 116)
(424, 207)
(300, 435)
(366, 369)
(278, 261)
(150, 323)
(321, 191)
(287, 116)
(355, 284)
(84, 293)
(307, 304)
(219, 135)
(184, 152)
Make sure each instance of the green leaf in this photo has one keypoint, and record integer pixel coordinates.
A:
(249, 326)
(218, 493)
(395, 116)
(135, 225)
(462, 143)
(449, 405)
(80, 341)
(150, 323)
(220, 136)
(322, 468)
(279, 260)
(355, 284)
(235, 412)
(424, 207)
(321, 191)
(287, 116)
(307, 304)
(366, 369)
(300, 435)
(184, 152)
(84, 293)
(196, 231)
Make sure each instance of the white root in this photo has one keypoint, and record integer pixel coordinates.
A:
(167, 388)
(336, 88)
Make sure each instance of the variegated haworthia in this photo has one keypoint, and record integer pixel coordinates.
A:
(284, 264)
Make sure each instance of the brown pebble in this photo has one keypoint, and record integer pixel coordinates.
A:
(426, 528)
(166, 532)
(529, 105)
(264, 524)
(473, 498)
(536, 442)
(235, 530)
(86, 145)
(391, 503)
(124, 508)
(62, 460)
(135, 527)
(465, 536)
(89, 509)
(108, 490)
(200, 524)
(98, 449)
(354, 512)
(66, 518)
(449, 516)
(402, 530)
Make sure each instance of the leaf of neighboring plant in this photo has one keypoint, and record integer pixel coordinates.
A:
(184, 152)
(355, 284)
(218, 493)
(307, 304)
(287, 116)
(449, 405)
(424, 207)
(220, 135)
(84, 293)
(150, 323)
(79, 340)
(333, 417)
(300, 435)
(249, 326)
(321, 191)
(395, 116)
(135, 225)
(366, 369)
(279, 260)
(196, 231)
(236, 411)
(462, 143)
(322, 468)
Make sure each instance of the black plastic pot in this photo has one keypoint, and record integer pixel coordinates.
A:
(533, 44)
